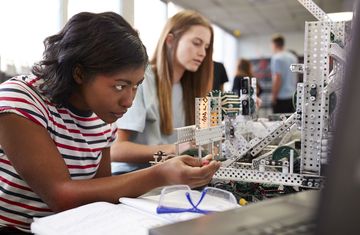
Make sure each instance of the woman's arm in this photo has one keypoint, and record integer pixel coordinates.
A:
(125, 151)
(37, 160)
(104, 168)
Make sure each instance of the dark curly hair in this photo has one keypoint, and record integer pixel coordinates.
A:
(101, 43)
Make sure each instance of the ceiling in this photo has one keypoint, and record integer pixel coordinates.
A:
(259, 17)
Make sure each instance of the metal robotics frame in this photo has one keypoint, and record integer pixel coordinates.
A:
(324, 58)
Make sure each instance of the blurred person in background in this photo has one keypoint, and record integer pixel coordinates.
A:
(244, 69)
(283, 80)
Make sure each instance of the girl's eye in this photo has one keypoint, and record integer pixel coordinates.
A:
(119, 87)
(122, 87)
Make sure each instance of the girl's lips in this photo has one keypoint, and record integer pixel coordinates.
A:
(118, 115)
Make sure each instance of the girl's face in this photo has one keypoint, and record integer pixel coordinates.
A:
(192, 46)
(109, 96)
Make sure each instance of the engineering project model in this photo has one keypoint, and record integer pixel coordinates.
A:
(255, 151)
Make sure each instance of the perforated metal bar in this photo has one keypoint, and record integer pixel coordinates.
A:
(185, 134)
(270, 177)
(202, 112)
(257, 144)
(314, 108)
(209, 135)
(299, 103)
(273, 135)
(319, 14)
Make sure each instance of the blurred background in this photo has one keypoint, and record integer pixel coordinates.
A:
(243, 28)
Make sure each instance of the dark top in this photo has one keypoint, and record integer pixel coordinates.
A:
(237, 86)
(220, 75)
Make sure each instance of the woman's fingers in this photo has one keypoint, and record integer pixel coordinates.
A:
(205, 171)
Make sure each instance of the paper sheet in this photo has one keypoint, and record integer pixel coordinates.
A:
(98, 218)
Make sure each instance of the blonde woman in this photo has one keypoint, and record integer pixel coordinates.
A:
(180, 70)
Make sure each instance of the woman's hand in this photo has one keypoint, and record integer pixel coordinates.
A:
(191, 171)
(258, 102)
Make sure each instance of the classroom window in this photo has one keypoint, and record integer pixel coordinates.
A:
(96, 6)
(149, 23)
(24, 26)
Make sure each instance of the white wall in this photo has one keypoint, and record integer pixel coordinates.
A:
(259, 46)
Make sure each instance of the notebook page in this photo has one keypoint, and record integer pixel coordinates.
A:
(98, 218)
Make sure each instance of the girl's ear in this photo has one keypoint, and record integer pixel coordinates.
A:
(170, 40)
(77, 75)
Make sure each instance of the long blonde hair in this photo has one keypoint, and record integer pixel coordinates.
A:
(194, 84)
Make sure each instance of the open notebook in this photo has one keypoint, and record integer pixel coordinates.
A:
(133, 216)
